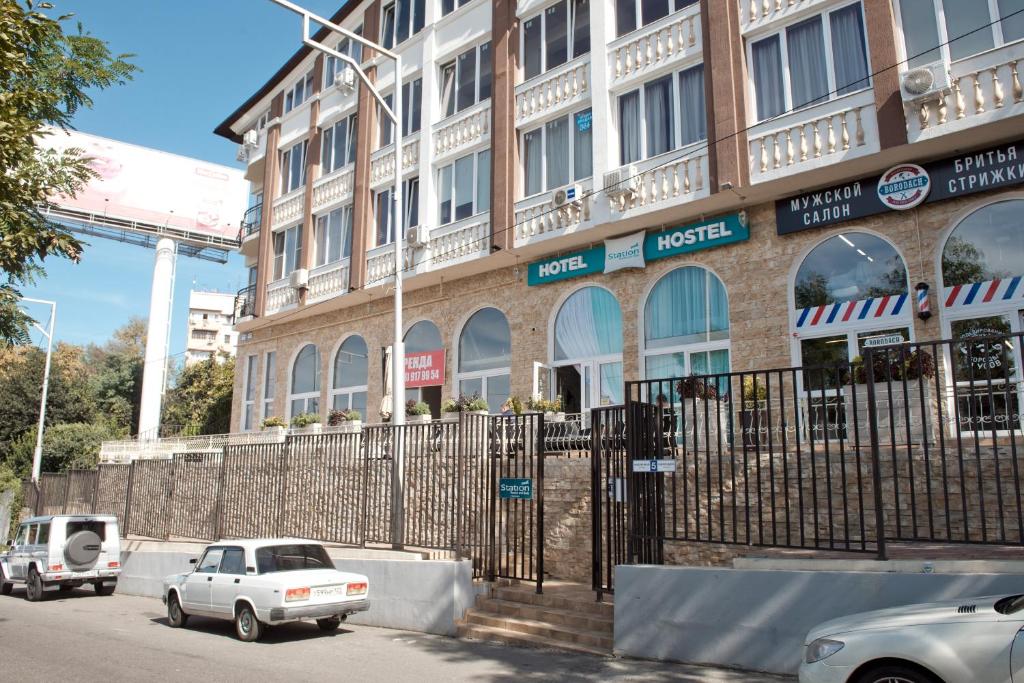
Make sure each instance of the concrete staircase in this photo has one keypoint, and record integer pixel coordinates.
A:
(565, 616)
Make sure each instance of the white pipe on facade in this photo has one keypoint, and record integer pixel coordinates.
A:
(154, 370)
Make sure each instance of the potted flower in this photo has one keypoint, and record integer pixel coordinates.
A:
(450, 409)
(476, 406)
(307, 422)
(753, 409)
(417, 411)
(347, 421)
(275, 426)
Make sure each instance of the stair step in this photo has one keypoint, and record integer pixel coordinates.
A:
(550, 632)
(498, 635)
(563, 617)
(572, 604)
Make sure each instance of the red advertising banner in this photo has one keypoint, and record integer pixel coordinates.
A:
(425, 369)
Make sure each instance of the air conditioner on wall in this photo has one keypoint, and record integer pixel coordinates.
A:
(566, 195)
(924, 81)
(251, 138)
(346, 79)
(299, 278)
(622, 181)
(416, 236)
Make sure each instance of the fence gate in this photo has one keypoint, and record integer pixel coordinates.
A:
(609, 490)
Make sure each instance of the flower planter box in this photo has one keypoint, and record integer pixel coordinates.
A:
(314, 428)
(554, 417)
(449, 417)
(417, 419)
(478, 412)
(275, 434)
(350, 426)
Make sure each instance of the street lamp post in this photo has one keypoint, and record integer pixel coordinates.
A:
(395, 114)
(37, 455)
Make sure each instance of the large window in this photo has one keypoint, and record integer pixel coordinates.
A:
(305, 394)
(287, 251)
(485, 358)
(421, 337)
(293, 167)
(631, 14)
(560, 33)
(849, 267)
(351, 370)
(648, 122)
(298, 93)
(794, 68)
(558, 153)
(466, 80)
(412, 96)
(401, 19)
(269, 382)
(588, 350)
(339, 144)
(464, 187)
(333, 234)
(954, 29)
(353, 49)
(384, 204)
(249, 405)
(448, 6)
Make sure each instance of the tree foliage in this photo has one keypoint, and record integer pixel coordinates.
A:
(200, 402)
(45, 75)
(118, 366)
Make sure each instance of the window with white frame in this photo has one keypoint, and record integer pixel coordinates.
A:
(305, 393)
(449, 6)
(558, 153)
(383, 207)
(339, 144)
(287, 251)
(464, 187)
(648, 122)
(466, 80)
(263, 121)
(333, 236)
(485, 358)
(400, 20)
(298, 93)
(334, 66)
(269, 382)
(810, 62)
(249, 405)
(559, 33)
(351, 370)
(632, 14)
(293, 167)
(412, 101)
(949, 30)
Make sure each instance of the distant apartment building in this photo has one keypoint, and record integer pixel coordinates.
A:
(629, 189)
(211, 317)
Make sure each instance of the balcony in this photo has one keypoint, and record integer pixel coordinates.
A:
(250, 224)
(821, 135)
(382, 162)
(552, 92)
(380, 264)
(328, 281)
(756, 14)
(461, 131)
(666, 180)
(245, 303)
(335, 188)
(537, 218)
(661, 44)
(280, 296)
(461, 241)
(983, 88)
(287, 209)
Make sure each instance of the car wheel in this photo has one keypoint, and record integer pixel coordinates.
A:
(175, 616)
(33, 586)
(103, 589)
(5, 586)
(247, 626)
(329, 624)
(895, 673)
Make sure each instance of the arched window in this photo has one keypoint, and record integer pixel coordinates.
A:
(305, 393)
(421, 338)
(485, 357)
(351, 370)
(588, 350)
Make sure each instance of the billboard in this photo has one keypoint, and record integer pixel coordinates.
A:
(155, 189)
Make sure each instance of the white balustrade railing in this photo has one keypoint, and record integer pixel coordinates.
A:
(656, 45)
(662, 181)
(335, 187)
(382, 162)
(287, 208)
(560, 87)
(757, 13)
(279, 295)
(537, 216)
(462, 130)
(380, 263)
(826, 133)
(466, 238)
(328, 281)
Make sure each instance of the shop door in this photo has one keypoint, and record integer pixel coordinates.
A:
(588, 385)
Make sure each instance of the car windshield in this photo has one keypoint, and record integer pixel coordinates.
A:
(287, 558)
(1010, 605)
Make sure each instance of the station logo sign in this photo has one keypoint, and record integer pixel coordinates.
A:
(904, 187)
(624, 252)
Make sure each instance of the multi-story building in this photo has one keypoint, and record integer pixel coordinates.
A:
(784, 174)
(211, 319)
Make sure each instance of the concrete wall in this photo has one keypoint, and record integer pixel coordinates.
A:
(423, 595)
(758, 619)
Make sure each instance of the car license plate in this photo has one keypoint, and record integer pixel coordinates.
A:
(329, 591)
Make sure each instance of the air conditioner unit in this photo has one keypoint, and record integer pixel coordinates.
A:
(622, 181)
(417, 236)
(299, 278)
(346, 79)
(251, 138)
(566, 195)
(924, 81)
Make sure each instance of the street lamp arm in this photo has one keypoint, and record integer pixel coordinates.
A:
(359, 72)
(327, 23)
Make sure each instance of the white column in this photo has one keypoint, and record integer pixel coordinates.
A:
(606, 148)
(154, 372)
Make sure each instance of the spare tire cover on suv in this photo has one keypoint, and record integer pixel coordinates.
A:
(82, 549)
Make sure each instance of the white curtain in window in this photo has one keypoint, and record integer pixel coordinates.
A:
(660, 121)
(557, 157)
(848, 50)
(767, 57)
(533, 159)
(676, 311)
(583, 145)
(629, 127)
(808, 74)
(588, 325)
(691, 105)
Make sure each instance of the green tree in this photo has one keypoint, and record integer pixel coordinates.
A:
(963, 263)
(45, 74)
(200, 401)
(117, 380)
(812, 290)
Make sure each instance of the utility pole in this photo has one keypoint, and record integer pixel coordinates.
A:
(37, 455)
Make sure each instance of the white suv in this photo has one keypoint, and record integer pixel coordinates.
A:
(62, 552)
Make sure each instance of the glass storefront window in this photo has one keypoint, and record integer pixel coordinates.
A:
(351, 372)
(849, 267)
(305, 394)
(485, 357)
(588, 350)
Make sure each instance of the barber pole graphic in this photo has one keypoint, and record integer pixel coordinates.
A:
(851, 312)
(924, 307)
(991, 292)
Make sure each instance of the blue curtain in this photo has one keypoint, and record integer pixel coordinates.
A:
(808, 78)
(588, 325)
(848, 52)
(767, 58)
(677, 310)
(691, 105)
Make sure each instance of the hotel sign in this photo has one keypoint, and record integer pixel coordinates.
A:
(989, 169)
(635, 251)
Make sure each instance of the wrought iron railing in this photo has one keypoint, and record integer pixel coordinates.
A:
(245, 302)
(251, 221)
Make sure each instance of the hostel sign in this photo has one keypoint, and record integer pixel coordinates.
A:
(634, 251)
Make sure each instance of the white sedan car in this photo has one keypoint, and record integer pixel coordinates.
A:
(977, 639)
(265, 581)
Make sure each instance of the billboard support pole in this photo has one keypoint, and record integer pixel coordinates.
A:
(155, 368)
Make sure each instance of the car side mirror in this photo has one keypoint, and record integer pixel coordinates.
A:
(193, 560)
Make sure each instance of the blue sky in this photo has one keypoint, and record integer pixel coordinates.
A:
(200, 59)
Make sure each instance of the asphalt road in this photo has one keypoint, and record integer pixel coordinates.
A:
(81, 637)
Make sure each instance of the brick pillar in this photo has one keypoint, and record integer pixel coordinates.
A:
(271, 183)
(362, 209)
(724, 86)
(312, 172)
(504, 47)
(881, 33)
